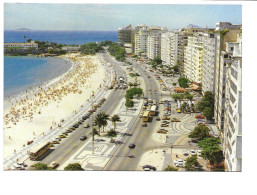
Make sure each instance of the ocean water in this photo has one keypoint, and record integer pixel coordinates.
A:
(24, 72)
(21, 73)
(63, 37)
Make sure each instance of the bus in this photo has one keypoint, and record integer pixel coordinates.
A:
(153, 110)
(145, 117)
(39, 150)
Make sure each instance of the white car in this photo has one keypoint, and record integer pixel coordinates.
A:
(53, 164)
(18, 166)
(199, 152)
(185, 153)
(179, 163)
(192, 152)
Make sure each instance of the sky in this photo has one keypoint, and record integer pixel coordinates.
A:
(112, 16)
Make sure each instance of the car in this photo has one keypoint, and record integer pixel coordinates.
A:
(175, 120)
(185, 153)
(164, 89)
(162, 131)
(72, 128)
(86, 125)
(158, 118)
(144, 125)
(165, 122)
(53, 165)
(179, 163)
(84, 117)
(178, 111)
(149, 76)
(132, 146)
(68, 131)
(55, 142)
(192, 152)
(18, 166)
(200, 117)
(22, 164)
(83, 137)
(165, 118)
(62, 136)
(199, 152)
(149, 167)
(76, 125)
(164, 125)
(29, 142)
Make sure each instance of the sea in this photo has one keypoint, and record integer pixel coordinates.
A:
(23, 72)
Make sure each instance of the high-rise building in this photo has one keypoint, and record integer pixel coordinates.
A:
(222, 61)
(193, 57)
(125, 35)
(232, 135)
(209, 59)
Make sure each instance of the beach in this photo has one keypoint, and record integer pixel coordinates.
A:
(41, 109)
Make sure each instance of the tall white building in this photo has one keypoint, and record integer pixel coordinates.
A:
(209, 59)
(153, 45)
(232, 136)
(193, 58)
(171, 47)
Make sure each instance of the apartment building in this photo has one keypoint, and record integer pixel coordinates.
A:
(209, 59)
(222, 61)
(171, 47)
(20, 47)
(125, 35)
(232, 135)
(193, 57)
(142, 32)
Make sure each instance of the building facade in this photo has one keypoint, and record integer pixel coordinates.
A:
(20, 47)
(209, 59)
(232, 136)
(125, 35)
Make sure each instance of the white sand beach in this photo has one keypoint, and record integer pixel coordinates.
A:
(40, 110)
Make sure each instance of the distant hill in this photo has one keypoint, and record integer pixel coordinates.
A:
(193, 26)
(23, 29)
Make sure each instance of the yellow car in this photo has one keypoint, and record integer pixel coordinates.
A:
(175, 120)
(166, 118)
(62, 136)
(178, 111)
(164, 125)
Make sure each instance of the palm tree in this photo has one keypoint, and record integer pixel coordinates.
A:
(99, 121)
(105, 117)
(115, 118)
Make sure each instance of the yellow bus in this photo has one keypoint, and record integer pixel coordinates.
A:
(145, 117)
(39, 150)
(153, 110)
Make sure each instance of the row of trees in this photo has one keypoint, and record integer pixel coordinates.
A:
(69, 167)
(206, 105)
(210, 146)
(191, 165)
(179, 96)
(90, 48)
(130, 93)
(118, 52)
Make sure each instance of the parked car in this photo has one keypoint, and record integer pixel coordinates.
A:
(86, 125)
(150, 167)
(165, 118)
(162, 131)
(83, 137)
(199, 116)
(132, 146)
(179, 163)
(55, 142)
(18, 166)
(192, 152)
(175, 120)
(199, 152)
(158, 118)
(185, 153)
(53, 165)
(62, 136)
(178, 111)
(144, 125)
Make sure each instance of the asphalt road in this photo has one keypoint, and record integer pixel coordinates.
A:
(140, 136)
(68, 146)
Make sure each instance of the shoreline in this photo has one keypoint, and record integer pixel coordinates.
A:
(53, 103)
(47, 83)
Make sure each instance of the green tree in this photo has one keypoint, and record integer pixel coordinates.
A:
(111, 133)
(183, 82)
(171, 168)
(211, 150)
(208, 113)
(157, 60)
(129, 103)
(174, 84)
(73, 167)
(200, 132)
(40, 166)
(99, 121)
(114, 119)
(105, 118)
(191, 163)
(29, 40)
